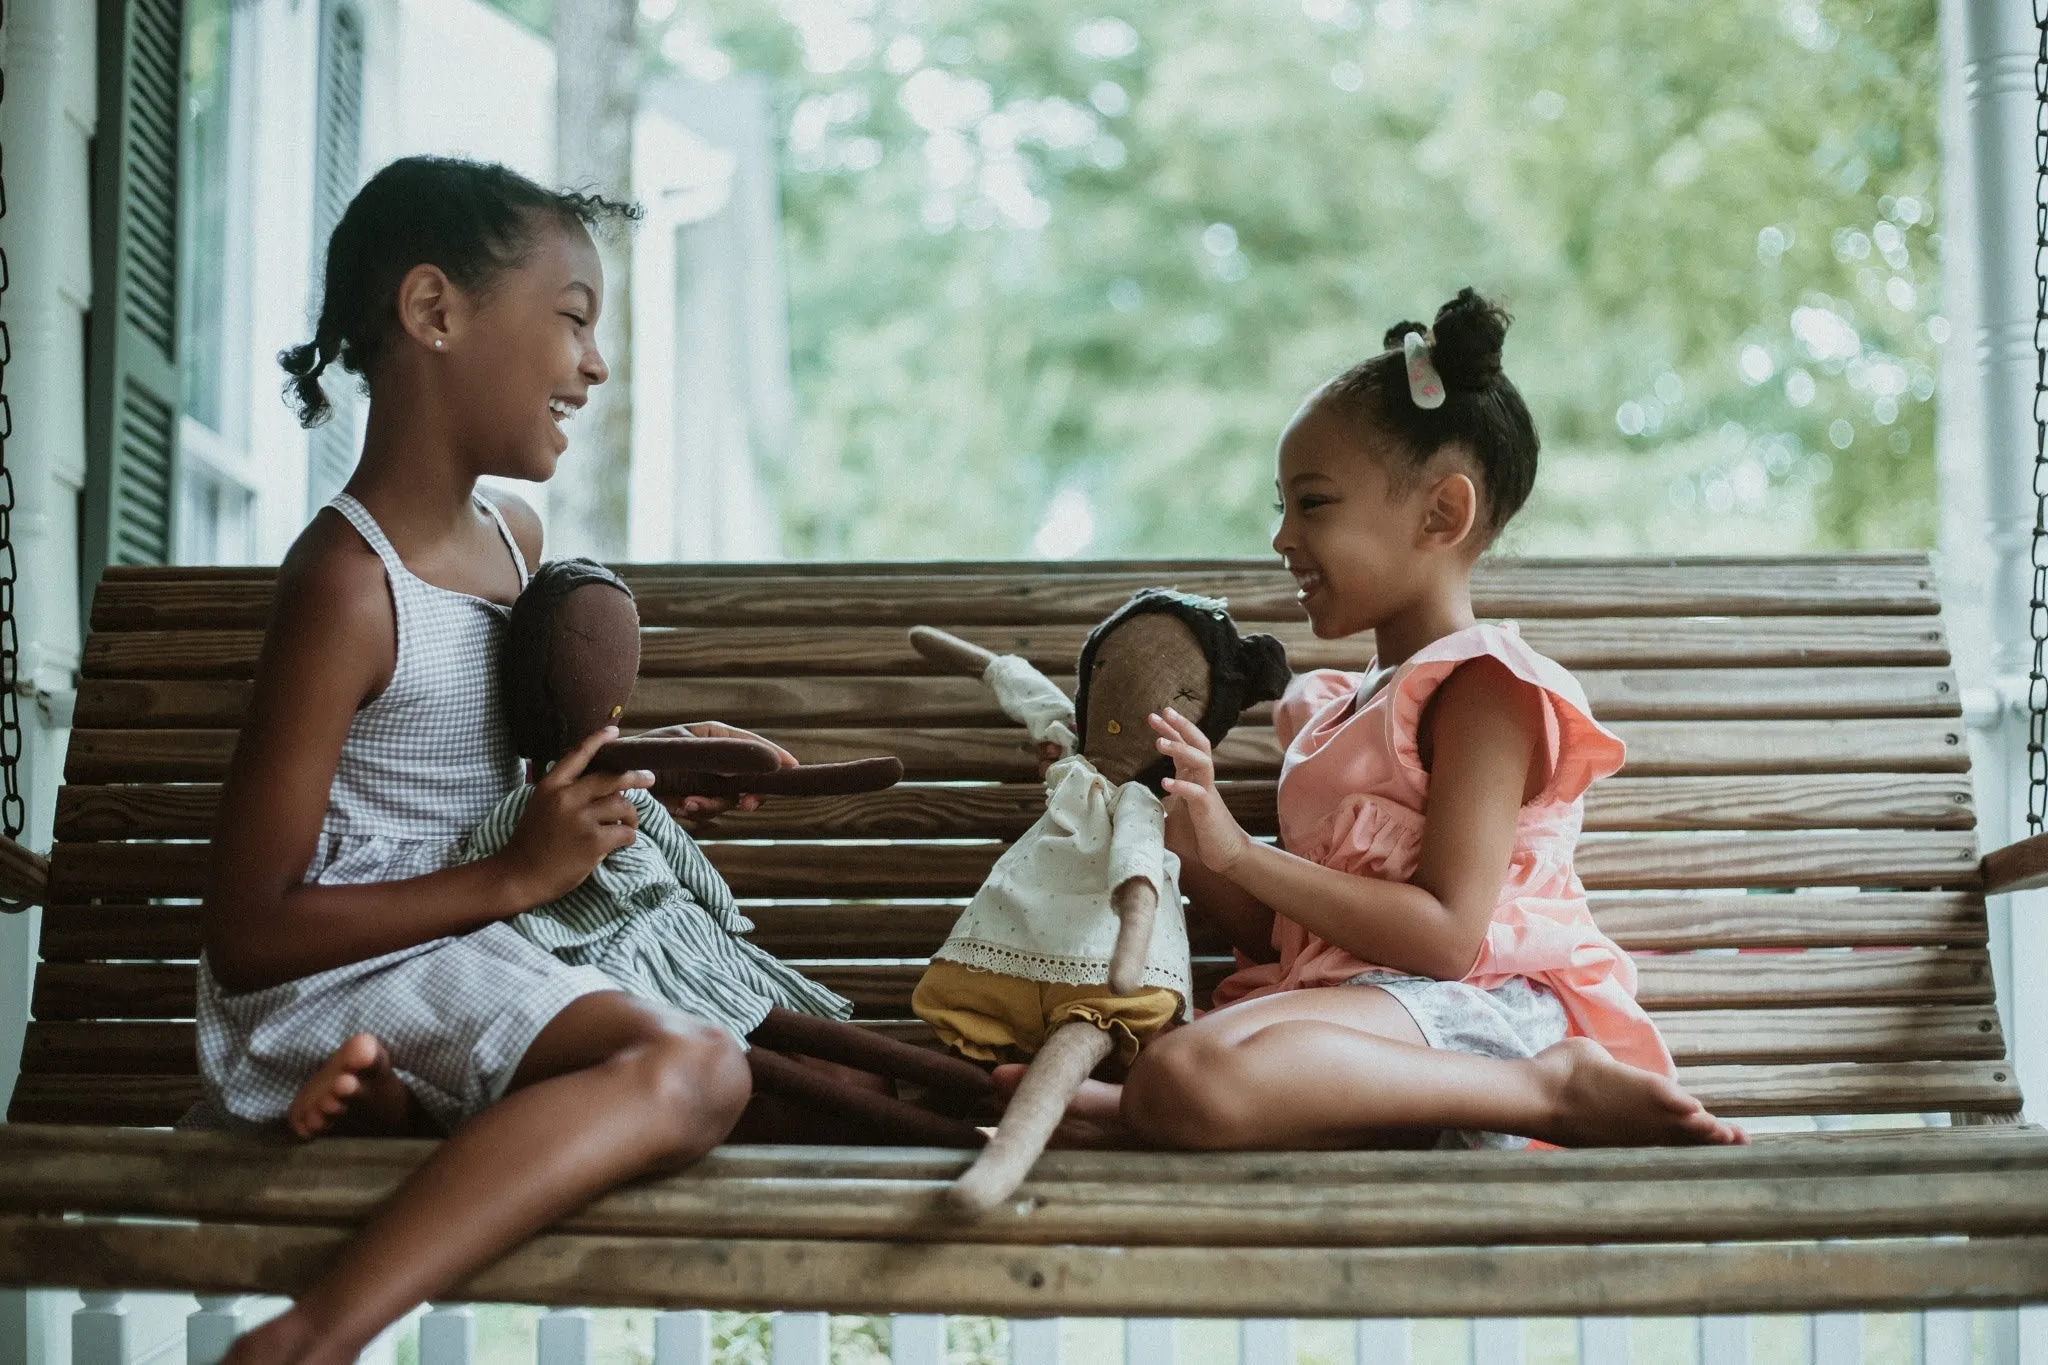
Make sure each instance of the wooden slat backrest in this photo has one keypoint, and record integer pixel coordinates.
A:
(1797, 782)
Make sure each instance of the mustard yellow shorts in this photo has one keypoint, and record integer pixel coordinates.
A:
(996, 1018)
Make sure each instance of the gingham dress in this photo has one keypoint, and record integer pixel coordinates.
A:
(423, 763)
(656, 917)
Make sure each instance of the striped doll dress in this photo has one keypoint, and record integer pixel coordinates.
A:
(658, 920)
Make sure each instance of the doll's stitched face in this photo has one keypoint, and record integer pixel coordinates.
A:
(1150, 662)
(593, 658)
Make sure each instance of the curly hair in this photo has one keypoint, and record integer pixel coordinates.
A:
(1482, 412)
(471, 219)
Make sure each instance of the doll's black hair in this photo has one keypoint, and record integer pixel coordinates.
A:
(1483, 411)
(539, 729)
(1244, 670)
(472, 219)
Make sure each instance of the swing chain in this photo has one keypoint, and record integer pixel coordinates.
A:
(12, 810)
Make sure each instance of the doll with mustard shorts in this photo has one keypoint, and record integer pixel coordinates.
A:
(1075, 946)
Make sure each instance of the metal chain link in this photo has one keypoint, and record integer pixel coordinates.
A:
(13, 813)
(2037, 611)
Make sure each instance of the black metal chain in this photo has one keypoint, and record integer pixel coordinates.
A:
(13, 813)
(2037, 610)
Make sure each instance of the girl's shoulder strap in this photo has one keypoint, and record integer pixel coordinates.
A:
(366, 526)
(511, 542)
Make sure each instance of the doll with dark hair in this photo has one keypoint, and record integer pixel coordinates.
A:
(1075, 947)
(655, 916)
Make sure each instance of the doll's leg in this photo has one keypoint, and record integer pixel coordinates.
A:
(1346, 1066)
(612, 1088)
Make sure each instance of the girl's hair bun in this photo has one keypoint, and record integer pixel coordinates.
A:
(1467, 339)
(1399, 331)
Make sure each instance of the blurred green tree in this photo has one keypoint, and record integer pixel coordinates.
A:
(1062, 269)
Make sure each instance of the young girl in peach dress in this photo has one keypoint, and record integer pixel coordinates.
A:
(1418, 961)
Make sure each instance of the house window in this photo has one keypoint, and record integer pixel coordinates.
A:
(337, 170)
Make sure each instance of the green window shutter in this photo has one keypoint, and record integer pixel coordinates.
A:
(337, 171)
(132, 380)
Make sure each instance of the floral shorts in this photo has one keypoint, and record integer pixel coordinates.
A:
(1518, 1018)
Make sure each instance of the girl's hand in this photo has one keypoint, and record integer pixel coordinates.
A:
(702, 809)
(1219, 839)
(572, 822)
(1049, 753)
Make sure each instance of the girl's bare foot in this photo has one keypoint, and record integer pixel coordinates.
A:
(1094, 1117)
(1599, 1102)
(354, 1091)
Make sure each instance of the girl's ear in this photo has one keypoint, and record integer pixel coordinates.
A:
(1450, 509)
(427, 303)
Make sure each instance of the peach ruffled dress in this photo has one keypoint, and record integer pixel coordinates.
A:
(1353, 792)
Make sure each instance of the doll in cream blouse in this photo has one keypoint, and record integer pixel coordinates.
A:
(1076, 946)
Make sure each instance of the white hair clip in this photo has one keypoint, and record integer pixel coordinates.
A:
(1425, 385)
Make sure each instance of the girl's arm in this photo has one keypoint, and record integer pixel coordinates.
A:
(1246, 921)
(332, 646)
(1487, 728)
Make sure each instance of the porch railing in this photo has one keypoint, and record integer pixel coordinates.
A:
(446, 1334)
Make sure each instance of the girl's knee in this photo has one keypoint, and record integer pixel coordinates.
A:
(1183, 1092)
(693, 1075)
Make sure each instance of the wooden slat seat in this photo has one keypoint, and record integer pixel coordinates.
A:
(1790, 853)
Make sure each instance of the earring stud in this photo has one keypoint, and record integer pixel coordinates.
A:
(437, 343)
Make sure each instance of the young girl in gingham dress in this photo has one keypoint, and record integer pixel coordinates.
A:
(357, 975)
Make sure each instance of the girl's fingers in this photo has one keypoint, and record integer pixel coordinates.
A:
(1189, 731)
(598, 786)
(577, 759)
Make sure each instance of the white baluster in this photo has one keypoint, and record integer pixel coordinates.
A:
(1034, 1341)
(1603, 1341)
(2002, 1337)
(1944, 1337)
(1151, 1341)
(448, 1335)
(2031, 1324)
(682, 1338)
(212, 1327)
(800, 1339)
(916, 1339)
(1835, 1339)
(1724, 1341)
(99, 1330)
(1265, 1341)
(1384, 1341)
(563, 1337)
(1497, 1341)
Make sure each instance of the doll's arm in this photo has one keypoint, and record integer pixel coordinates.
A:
(1026, 695)
(1137, 877)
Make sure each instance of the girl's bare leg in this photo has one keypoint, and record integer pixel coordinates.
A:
(612, 1088)
(1346, 1067)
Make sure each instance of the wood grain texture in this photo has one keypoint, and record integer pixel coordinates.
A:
(790, 869)
(1639, 921)
(869, 702)
(1083, 592)
(953, 754)
(91, 813)
(881, 990)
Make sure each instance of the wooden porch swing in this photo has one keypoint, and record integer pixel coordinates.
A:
(1790, 853)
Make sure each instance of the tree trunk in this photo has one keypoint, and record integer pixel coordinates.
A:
(597, 78)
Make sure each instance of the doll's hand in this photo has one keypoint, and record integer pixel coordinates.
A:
(572, 821)
(1219, 839)
(703, 809)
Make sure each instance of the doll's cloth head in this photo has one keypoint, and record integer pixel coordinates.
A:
(572, 652)
(1166, 648)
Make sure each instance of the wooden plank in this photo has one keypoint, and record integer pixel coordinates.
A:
(1637, 694)
(1084, 592)
(2017, 867)
(1903, 976)
(1696, 1037)
(202, 649)
(1453, 1209)
(946, 754)
(790, 869)
(941, 811)
(1792, 1155)
(1854, 1088)
(869, 1277)
(913, 929)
